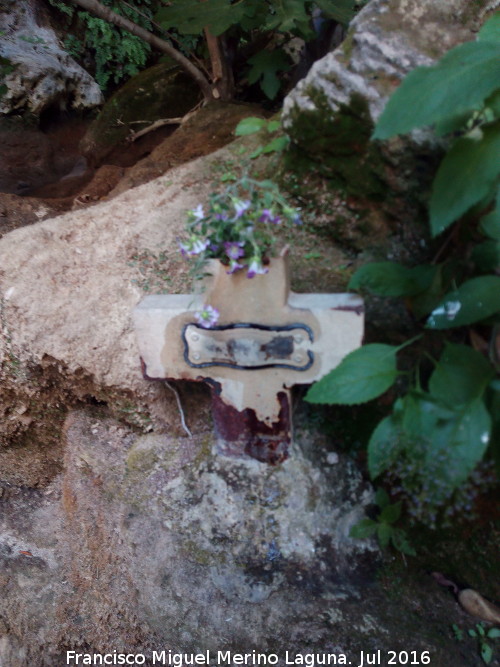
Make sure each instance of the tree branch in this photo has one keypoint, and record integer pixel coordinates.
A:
(95, 7)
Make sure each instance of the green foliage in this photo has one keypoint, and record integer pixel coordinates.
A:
(473, 301)
(246, 21)
(252, 125)
(117, 53)
(191, 17)
(362, 375)
(483, 635)
(383, 525)
(439, 430)
(459, 83)
(393, 279)
(265, 66)
(467, 175)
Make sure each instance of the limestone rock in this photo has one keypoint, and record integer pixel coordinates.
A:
(35, 71)
(147, 542)
(67, 289)
(330, 114)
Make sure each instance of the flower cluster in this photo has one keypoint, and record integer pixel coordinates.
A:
(237, 226)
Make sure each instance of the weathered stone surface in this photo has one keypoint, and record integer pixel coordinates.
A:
(162, 91)
(68, 286)
(35, 70)
(330, 114)
(150, 542)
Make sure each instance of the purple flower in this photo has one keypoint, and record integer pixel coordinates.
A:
(207, 317)
(198, 212)
(193, 246)
(240, 206)
(234, 249)
(256, 267)
(234, 266)
(268, 216)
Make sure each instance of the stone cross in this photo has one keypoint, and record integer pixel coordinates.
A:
(266, 340)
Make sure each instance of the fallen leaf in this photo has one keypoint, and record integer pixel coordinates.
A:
(476, 605)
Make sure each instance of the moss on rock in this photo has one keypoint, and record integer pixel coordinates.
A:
(162, 91)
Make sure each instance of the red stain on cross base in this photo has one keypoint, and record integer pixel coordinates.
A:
(243, 433)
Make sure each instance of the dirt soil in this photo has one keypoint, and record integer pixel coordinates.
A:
(71, 183)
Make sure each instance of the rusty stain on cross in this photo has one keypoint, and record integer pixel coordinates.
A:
(267, 340)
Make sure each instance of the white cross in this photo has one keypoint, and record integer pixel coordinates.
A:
(266, 340)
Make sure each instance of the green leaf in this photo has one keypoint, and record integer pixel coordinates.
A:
(465, 176)
(400, 542)
(465, 440)
(382, 498)
(486, 653)
(384, 533)
(451, 124)
(391, 513)
(362, 375)
(461, 376)
(486, 256)
(490, 32)
(341, 11)
(459, 82)
(384, 446)
(273, 125)
(422, 425)
(472, 633)
(473, 301)
(190, 17)
(277, 144)
(393, 279)
(444, 444)
(264, 68)
(490, 224)
(258, 151)
(249, 126)
(291, 16)
(493, 633)
(363, 529)
(424, 303)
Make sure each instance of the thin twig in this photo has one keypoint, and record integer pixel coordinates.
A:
(161, 122)
(179, 405)
(154, 126)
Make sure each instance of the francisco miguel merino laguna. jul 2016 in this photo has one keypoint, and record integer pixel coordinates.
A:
(228, 658)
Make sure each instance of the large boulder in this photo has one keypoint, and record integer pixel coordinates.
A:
(159, 92)
(331, 113)
(149, 543)
(35, 71)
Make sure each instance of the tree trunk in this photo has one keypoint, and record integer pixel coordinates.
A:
(96, 8)
(222, 74)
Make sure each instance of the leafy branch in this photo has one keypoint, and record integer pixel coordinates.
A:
(436, 435)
